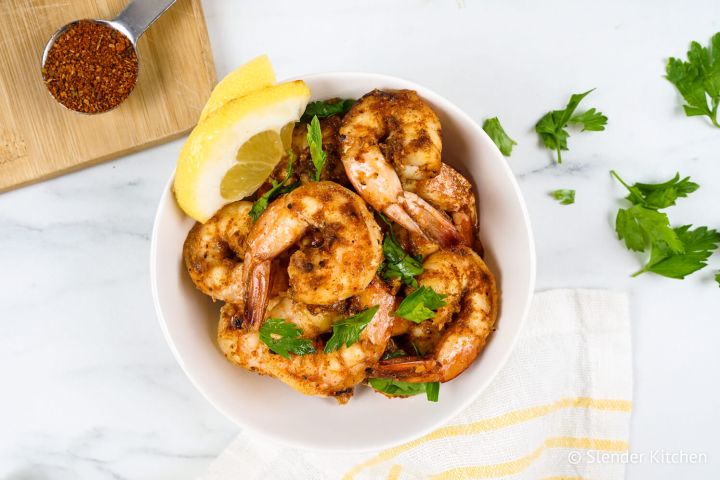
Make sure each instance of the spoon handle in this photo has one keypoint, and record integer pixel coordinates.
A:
(140, 14)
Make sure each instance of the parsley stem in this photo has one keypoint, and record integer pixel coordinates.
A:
(714, 114)
(614, 174)
(559, 159)
(639, 272)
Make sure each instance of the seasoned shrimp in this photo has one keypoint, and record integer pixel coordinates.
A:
(339, 247)
(313, 320)
(466, 320)
(213, 252)
(389, 141)
(324, 374)
(450, 192)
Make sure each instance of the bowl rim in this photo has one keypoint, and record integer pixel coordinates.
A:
(454, 111)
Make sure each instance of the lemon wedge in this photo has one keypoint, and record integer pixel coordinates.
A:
(233, 151)
(254, 75)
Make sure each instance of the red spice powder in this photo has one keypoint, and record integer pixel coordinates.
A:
(91, 67)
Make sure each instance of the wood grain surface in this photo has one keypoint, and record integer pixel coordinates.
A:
(39, 138)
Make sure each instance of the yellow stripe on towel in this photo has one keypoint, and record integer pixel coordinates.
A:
(394, 472)
(516, 466)
(505, 420)
(563, 478)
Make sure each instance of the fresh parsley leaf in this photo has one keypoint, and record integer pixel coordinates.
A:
(278, 188)
(591, 121)
(699, 245)
(397, 388)
(698, 79)
(283, 338)
(552, 126)
(432, 390)
(658, 195)
(420, 305)
(497, 134)
(717, 278)
(674, 252)
(326, 108)
(314, 140)
(347, 331)
(565, 197)
(642, 227)
(398, 263)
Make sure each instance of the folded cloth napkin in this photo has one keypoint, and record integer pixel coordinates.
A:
(559, 409)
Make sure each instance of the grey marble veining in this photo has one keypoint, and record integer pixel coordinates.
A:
(89, 387)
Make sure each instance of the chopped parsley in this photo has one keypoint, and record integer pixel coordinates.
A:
(314, 140)
(278, 188)
(497, 134)
(420, 305)
(326, 108)
(565, 197)
(397, 388)
(347, 331)
(284, 338)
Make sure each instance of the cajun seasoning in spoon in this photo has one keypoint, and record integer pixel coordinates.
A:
(91, 67)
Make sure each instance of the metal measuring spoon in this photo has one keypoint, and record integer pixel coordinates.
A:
(132, 22)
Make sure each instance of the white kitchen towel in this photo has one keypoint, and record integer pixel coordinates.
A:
(559, 409)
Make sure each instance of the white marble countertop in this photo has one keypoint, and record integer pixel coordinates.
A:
(89, 387)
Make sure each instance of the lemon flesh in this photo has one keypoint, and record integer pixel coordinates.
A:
(264, 148)
(286, 135)
(254, 75)
(233, 151)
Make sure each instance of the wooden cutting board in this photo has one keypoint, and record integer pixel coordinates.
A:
(40, 139)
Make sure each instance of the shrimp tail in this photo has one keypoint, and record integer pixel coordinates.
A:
(433, 223)
(259, 286)
(408, 369)
(401, 217)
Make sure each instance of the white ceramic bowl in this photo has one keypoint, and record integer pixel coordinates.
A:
(369, 421)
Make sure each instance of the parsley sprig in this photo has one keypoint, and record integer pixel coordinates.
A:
(658, 195)
(674, 252)
(698, 245)
(347, 331)
(698, 79)
(552, 126)
(397, 388)
(314, 140)
(420, 305)
(278, 188)
(284, 338)
(498, 135)
(326, 108)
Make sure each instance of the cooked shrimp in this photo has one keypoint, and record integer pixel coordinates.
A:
(313, 320)
(324, 374)
(213, 252)
(466, 321)
(390, 139)
(450, 192)
(339, 247)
